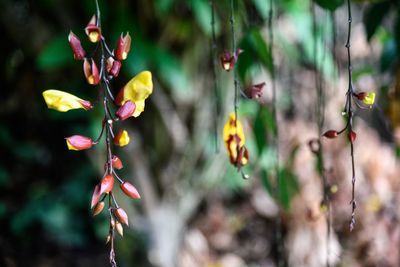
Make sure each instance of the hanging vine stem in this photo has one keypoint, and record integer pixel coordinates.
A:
(280, 253)
(236, 96)
(350, 114)
(213, 55)
(320, 111)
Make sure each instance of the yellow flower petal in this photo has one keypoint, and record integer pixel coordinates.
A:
(139, 108)
(369, 99)
(137, 89)
(63, 101)
(122, 138)
(231, 129)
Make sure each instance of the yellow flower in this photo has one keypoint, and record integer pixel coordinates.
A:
(234, 141)
(63, 101)
(136, 90)
(369, 99)
(122, 138)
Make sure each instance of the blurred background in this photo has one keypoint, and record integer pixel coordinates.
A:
(196, 210)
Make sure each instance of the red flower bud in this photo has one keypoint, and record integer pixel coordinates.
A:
(98, 208)
(77, 49)
(79, 142)
(361, 96)
(116, 163)
(330, 134)
(107, 183)
(93, 31)
(121, 215)
(91, 72)
(123, 47)
(352, 136)
(130, 190)
(113, 67)
(86, 104)
(96, 196)
(228, 60)
(126, 110)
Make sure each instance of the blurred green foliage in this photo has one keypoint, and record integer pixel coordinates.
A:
(46, 189)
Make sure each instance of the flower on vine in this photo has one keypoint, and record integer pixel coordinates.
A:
(93, 31)
(130, 190)
(234, 141)
(352, 136)
(116, 162)
(113, 66)
(77, 49)
(368, 98)
(123, 47)
(91, 72)
(98, 208)
(79, 142)
(122, 138)
(121, 215)
(330, 134)
(63, 101)
(256, 90)
(126, 110)
(136, 90)
(228, 60)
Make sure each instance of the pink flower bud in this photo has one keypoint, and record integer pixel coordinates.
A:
(77, 49)
(98, 208)
(79, 142)
(116, 163)
(330, 134)
(91, 72)
(113, 67)
(93, 31)
(121, 215)
(95, 196)
(126, 110)
(352, 136)
(130, 190)
(106, 184)
(123, 47)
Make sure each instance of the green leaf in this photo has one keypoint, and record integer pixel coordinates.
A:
(56, 54)
(373, 17)
(265, 181)
(288, 187)
(263, 122)
(329, 4)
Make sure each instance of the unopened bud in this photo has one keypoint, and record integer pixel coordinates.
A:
(77, 49)
(130, 190)
(98, 208)
(116, 162)
(126, 110)
(330, 134)
(119, 228)
(79, 142)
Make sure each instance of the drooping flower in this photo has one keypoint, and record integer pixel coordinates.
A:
(122, 138)
(235, 141)
(77, 49)
(79, 142)
(91, 72)
(369, 99)
(130, 190)
(113, 66)
(116, 162)
(126, 110)
(92, 30)
(106, 184)
(63, 101)
(136, 90)
(123, 47)
(330, 134)
(121, 215)
(228, 60)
